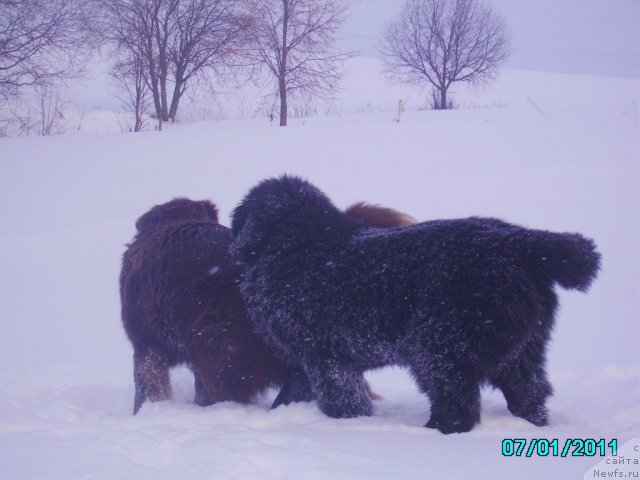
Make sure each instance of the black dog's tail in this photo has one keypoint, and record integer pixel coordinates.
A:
(569, 259)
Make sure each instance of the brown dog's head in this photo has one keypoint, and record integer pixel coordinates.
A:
(178, 210)
(378, 216)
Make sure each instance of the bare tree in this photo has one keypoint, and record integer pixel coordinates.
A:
(175, 41)
(50, 105)
(440, 42)
(294, 41)
(38, 110)
(40, 40)
(129, 74)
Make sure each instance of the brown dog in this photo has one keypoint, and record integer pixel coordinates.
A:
(181, 305)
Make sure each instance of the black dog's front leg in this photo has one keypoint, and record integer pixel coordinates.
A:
(296, 388)
(340, 390)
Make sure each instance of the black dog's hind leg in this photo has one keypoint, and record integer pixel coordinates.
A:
(340, 390)
(151, 377)
(524, 383)
(296, 388)
(454, 393)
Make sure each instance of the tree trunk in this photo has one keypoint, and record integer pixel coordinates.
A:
(162, 81)
(156, 102)
(175, 100)
(163, 99)
(138, 112)
(155, 92)
(443, 98)
(283, 104)
(282, 87)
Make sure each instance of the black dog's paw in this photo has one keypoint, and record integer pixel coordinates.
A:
(287, 397)
(282, 400)
(450, 426)
(538, 415)
(360, 407)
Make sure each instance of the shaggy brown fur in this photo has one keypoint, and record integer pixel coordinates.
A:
(378, 216)
(181, 305)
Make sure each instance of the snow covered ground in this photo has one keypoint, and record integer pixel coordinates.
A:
(557, 148)
(544, 150)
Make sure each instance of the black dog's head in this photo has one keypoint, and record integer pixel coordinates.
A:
(178, 210)
(271, 208)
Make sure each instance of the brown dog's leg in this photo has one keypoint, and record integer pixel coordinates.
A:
(202, 396)
(151, 377)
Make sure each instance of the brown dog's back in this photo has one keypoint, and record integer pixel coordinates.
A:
(378, 216)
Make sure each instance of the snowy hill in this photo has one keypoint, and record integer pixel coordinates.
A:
(589, 37)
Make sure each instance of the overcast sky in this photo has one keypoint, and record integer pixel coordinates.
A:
(599, 37)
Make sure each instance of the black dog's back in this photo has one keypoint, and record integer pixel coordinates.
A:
(568, 259)
(494, 282)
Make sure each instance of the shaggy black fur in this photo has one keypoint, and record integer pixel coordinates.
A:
(181, 304)
(459, 302)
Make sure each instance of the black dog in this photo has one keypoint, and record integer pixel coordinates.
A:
(459, 302)
(181, 305)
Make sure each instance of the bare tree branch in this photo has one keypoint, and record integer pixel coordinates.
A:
(129, 74)
(40, 40)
